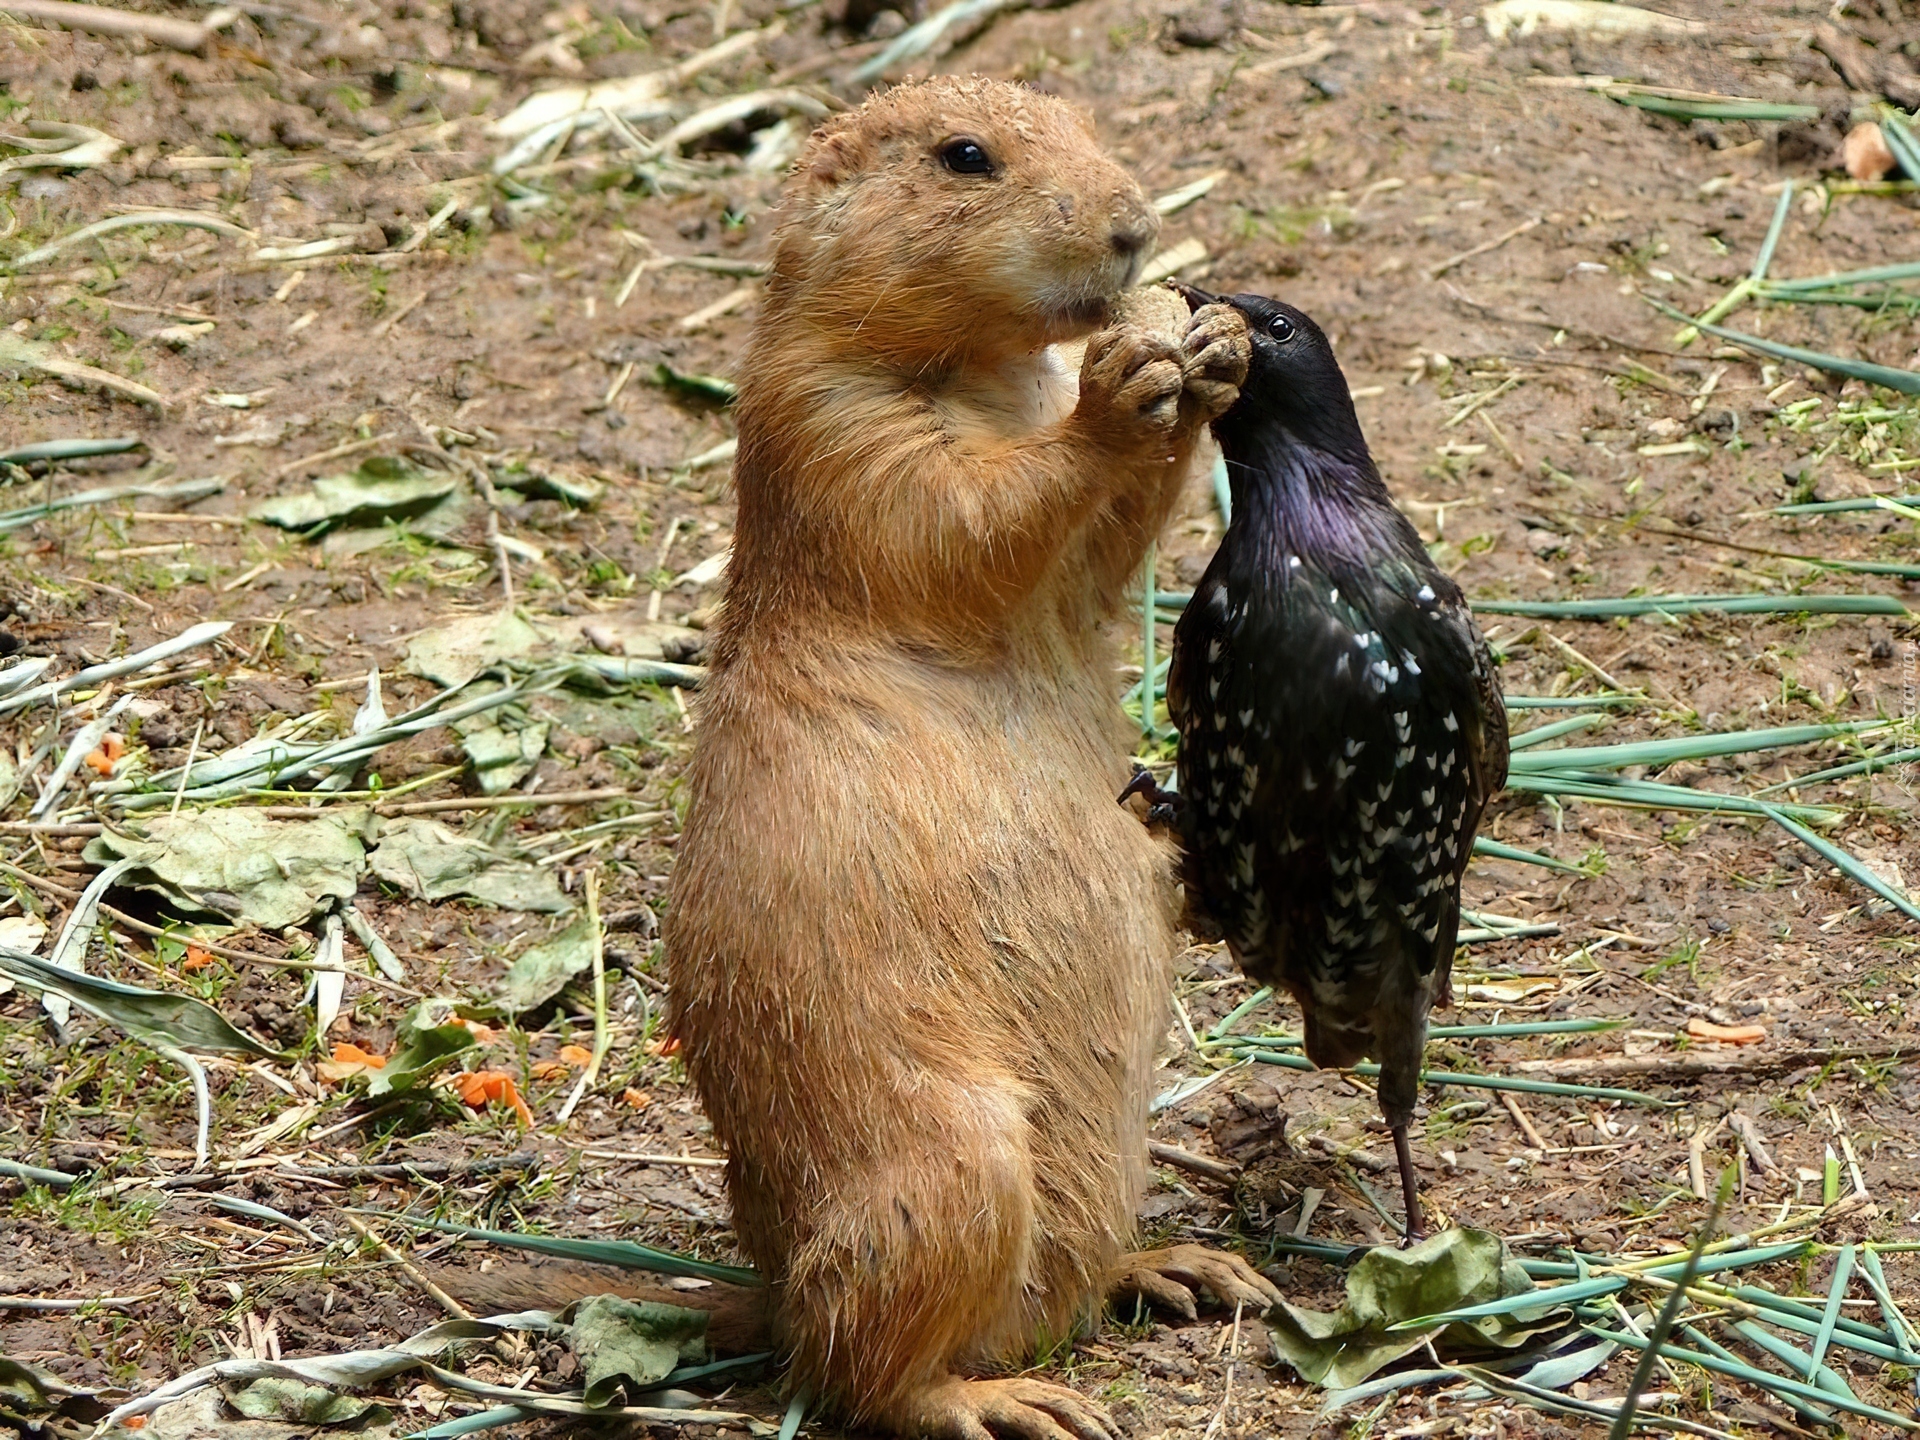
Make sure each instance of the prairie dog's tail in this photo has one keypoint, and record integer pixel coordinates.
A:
(739, 1317)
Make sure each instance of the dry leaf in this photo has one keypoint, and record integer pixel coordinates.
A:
(550, 1069)
(576, 1055)
(1725, 1034)
(196, 959)
(635, 1099)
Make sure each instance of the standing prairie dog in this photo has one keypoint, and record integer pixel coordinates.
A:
(918, 955)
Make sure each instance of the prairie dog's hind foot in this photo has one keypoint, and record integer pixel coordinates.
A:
(1168, 1278)
(1018, 1409)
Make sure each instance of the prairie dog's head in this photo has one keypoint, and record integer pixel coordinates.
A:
(958, 218)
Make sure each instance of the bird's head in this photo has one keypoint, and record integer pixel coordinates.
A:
(1293, 382)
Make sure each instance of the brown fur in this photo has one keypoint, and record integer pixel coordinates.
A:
(918, 952)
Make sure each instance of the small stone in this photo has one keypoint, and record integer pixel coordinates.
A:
(886, 25)
(1865, 155)
(1203, 27)
(1721, 424)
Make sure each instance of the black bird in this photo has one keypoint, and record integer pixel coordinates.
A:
(1341, 725)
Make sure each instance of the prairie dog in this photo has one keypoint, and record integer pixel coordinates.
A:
(917, 954)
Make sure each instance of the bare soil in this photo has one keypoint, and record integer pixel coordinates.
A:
(1363, 148)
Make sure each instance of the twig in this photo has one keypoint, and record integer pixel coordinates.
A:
(725, 305)
(193, 219)
(695, 1162)
(1574, 655)
(1534, 1137)
(412, 1271)
(1436, 271)
(352, 447)
(277, 962)
(619, 383)
(1742, 1125)
(34, 358)
(1693, 1065)
(602, 1033)
(67, 1307)
(411, 1170)
(99, 20)
(193, 753)
(1196, 1164)
(397, 316)
(1233, 1363)
(1696, 1157)
(459, 802)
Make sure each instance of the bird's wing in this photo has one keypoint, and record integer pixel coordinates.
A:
(1487, 730)
(1324, 785)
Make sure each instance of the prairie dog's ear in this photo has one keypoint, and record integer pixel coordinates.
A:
(836, 151)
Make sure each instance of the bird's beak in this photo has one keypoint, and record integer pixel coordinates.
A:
(1194, 295)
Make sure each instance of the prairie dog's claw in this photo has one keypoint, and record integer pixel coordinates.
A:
(1214, 356)
(1169, 1277)
(1131, 382)
(1018, 1409)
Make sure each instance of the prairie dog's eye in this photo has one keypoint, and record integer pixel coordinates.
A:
(966, 157)
(1281, 328)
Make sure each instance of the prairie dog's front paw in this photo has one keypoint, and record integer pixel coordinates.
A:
(1214, 357)
(1130, 387)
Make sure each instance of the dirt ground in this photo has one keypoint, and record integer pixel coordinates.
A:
(1462, 222)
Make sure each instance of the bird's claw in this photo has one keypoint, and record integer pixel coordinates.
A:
(1143, 783)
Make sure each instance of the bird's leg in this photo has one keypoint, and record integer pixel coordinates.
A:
(1163, 806)
(1409, 1188)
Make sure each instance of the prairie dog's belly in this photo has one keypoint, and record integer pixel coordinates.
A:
(949, 831)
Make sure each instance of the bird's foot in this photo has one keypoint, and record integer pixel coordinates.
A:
(1163, 806)
(1168, 1278)
(1416, 1229)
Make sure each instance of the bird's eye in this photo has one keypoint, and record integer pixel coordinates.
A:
(966, 157)
(1281, 328)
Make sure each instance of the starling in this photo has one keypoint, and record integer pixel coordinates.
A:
(1341, 725)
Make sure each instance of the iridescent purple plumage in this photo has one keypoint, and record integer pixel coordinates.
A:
(1340, 723)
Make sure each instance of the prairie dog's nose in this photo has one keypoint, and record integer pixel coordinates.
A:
(1136, 225)
(1132, 234)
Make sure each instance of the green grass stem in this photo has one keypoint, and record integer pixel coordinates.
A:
(1694, 604)
(1494, 850)
(1687, 747)
(1869, 766)
(1473, 1082)
(1554, 729)
(1774, 1383)
(1906, 382)
(1763, 261)
(1836, 1293)
(1836, 507)
(1845, 863)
